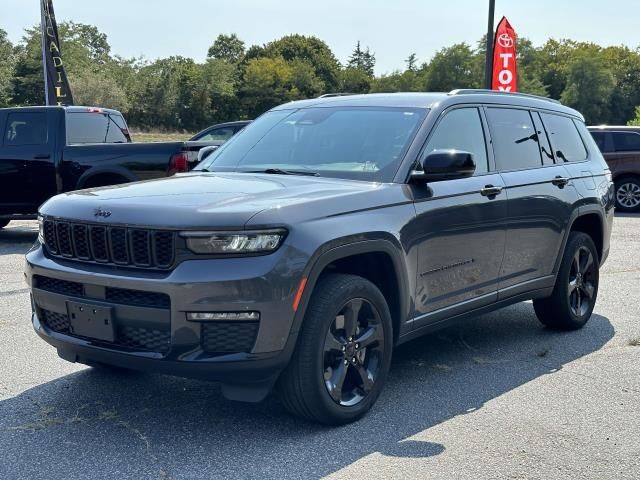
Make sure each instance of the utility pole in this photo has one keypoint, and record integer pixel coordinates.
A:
(489, 60)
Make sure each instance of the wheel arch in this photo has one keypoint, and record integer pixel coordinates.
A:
(363, 258)
(87, 177)
(589, 220)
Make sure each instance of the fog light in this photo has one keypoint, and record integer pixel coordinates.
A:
(212, 316)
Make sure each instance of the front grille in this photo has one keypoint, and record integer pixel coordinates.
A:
(229, 337)
(136, 338)
(121, 296)
(133, 247)
(57, 322)
(137, 297)
(62, 287)
(144, 338)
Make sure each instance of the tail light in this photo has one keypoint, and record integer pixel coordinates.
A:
(179, 163)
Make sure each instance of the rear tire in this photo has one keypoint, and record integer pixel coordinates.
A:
(574, 296)
(628, 194)
(343, 353)
(4, 223)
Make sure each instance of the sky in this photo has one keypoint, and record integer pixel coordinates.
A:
(392, 29)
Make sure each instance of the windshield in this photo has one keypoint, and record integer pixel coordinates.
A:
(360, 143)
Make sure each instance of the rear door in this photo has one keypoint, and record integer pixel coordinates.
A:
(459, 228)
(540, 198)
(27, 173)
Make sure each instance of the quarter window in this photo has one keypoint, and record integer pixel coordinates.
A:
(515, 141)
(26, 129)
(565, 139)
(626, 141)
(461, 129)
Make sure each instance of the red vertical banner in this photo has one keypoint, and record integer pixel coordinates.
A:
(505, 72)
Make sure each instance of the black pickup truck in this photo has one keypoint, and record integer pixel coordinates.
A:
(49, 150)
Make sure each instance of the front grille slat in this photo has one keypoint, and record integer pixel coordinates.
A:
(111, 245)
(81, 242)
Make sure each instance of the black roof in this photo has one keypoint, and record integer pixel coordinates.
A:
(432, 99)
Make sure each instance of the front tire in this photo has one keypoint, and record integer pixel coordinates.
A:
(574, 296)
(628, 194)
(343, 354)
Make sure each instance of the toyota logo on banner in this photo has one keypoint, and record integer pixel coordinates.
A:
(505, 75)
(505, 40)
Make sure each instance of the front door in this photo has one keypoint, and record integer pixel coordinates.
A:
(26, 162)
(459, 228)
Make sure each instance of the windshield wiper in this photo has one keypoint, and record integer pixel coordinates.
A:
(279, 171)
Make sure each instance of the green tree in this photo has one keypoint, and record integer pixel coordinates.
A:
(362, 60)
(90, 88)
(228, 48)
(590, 85)
(354, 80)
(311, 50)
(412, 62)
(7, 68)
(453, 67)
(267, 83)
(635, 121)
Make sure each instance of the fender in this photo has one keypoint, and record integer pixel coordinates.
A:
(579, 212)
(114, 170)
(328, 254)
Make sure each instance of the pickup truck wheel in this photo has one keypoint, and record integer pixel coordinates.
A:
(628, 194)
(343, 354)
(4, 223)
(574, 295)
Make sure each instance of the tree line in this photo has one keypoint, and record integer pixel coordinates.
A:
(240, 82)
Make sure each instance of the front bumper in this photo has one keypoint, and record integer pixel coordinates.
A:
(158, 337)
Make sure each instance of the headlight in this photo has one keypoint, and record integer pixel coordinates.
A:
(40, 229)
(226, 243)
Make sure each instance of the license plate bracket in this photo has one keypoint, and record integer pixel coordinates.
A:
(91, 321)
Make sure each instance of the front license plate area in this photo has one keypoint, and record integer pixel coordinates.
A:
(91, 321)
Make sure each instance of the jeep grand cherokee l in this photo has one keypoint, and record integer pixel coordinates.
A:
(322, 236)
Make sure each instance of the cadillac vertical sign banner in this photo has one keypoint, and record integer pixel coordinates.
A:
(504, 58)
(56, 84)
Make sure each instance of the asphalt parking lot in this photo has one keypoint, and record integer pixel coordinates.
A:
(499, 397)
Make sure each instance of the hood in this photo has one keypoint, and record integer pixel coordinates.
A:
(218, 200)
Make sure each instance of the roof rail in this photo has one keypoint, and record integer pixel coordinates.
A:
(337, 94)
(461, 91)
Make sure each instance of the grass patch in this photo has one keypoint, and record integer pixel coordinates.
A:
(146, 137)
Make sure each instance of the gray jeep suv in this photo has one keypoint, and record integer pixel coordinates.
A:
(325, 234)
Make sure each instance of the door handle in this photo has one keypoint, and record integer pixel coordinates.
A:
(42, 156)
(490, 191)
(560, 182)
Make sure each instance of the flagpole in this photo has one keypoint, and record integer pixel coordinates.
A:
(43, 26)
(488, 72)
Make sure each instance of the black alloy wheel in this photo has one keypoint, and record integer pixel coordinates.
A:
(353, 350)
(343, 352)
(582, 288)
(574, 295)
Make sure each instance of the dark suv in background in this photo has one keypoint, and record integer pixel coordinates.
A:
(323, 235)
(621, 149)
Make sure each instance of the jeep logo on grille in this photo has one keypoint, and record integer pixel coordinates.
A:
(99, 212)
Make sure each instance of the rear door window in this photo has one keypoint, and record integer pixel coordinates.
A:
(565, 139)
(87, 127)
(626, 141)
(461, 129)
(117, 130)
(26, 128)
(600, 139)
(515, 140)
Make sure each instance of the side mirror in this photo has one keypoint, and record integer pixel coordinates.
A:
(445, 165)
(204, 152)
